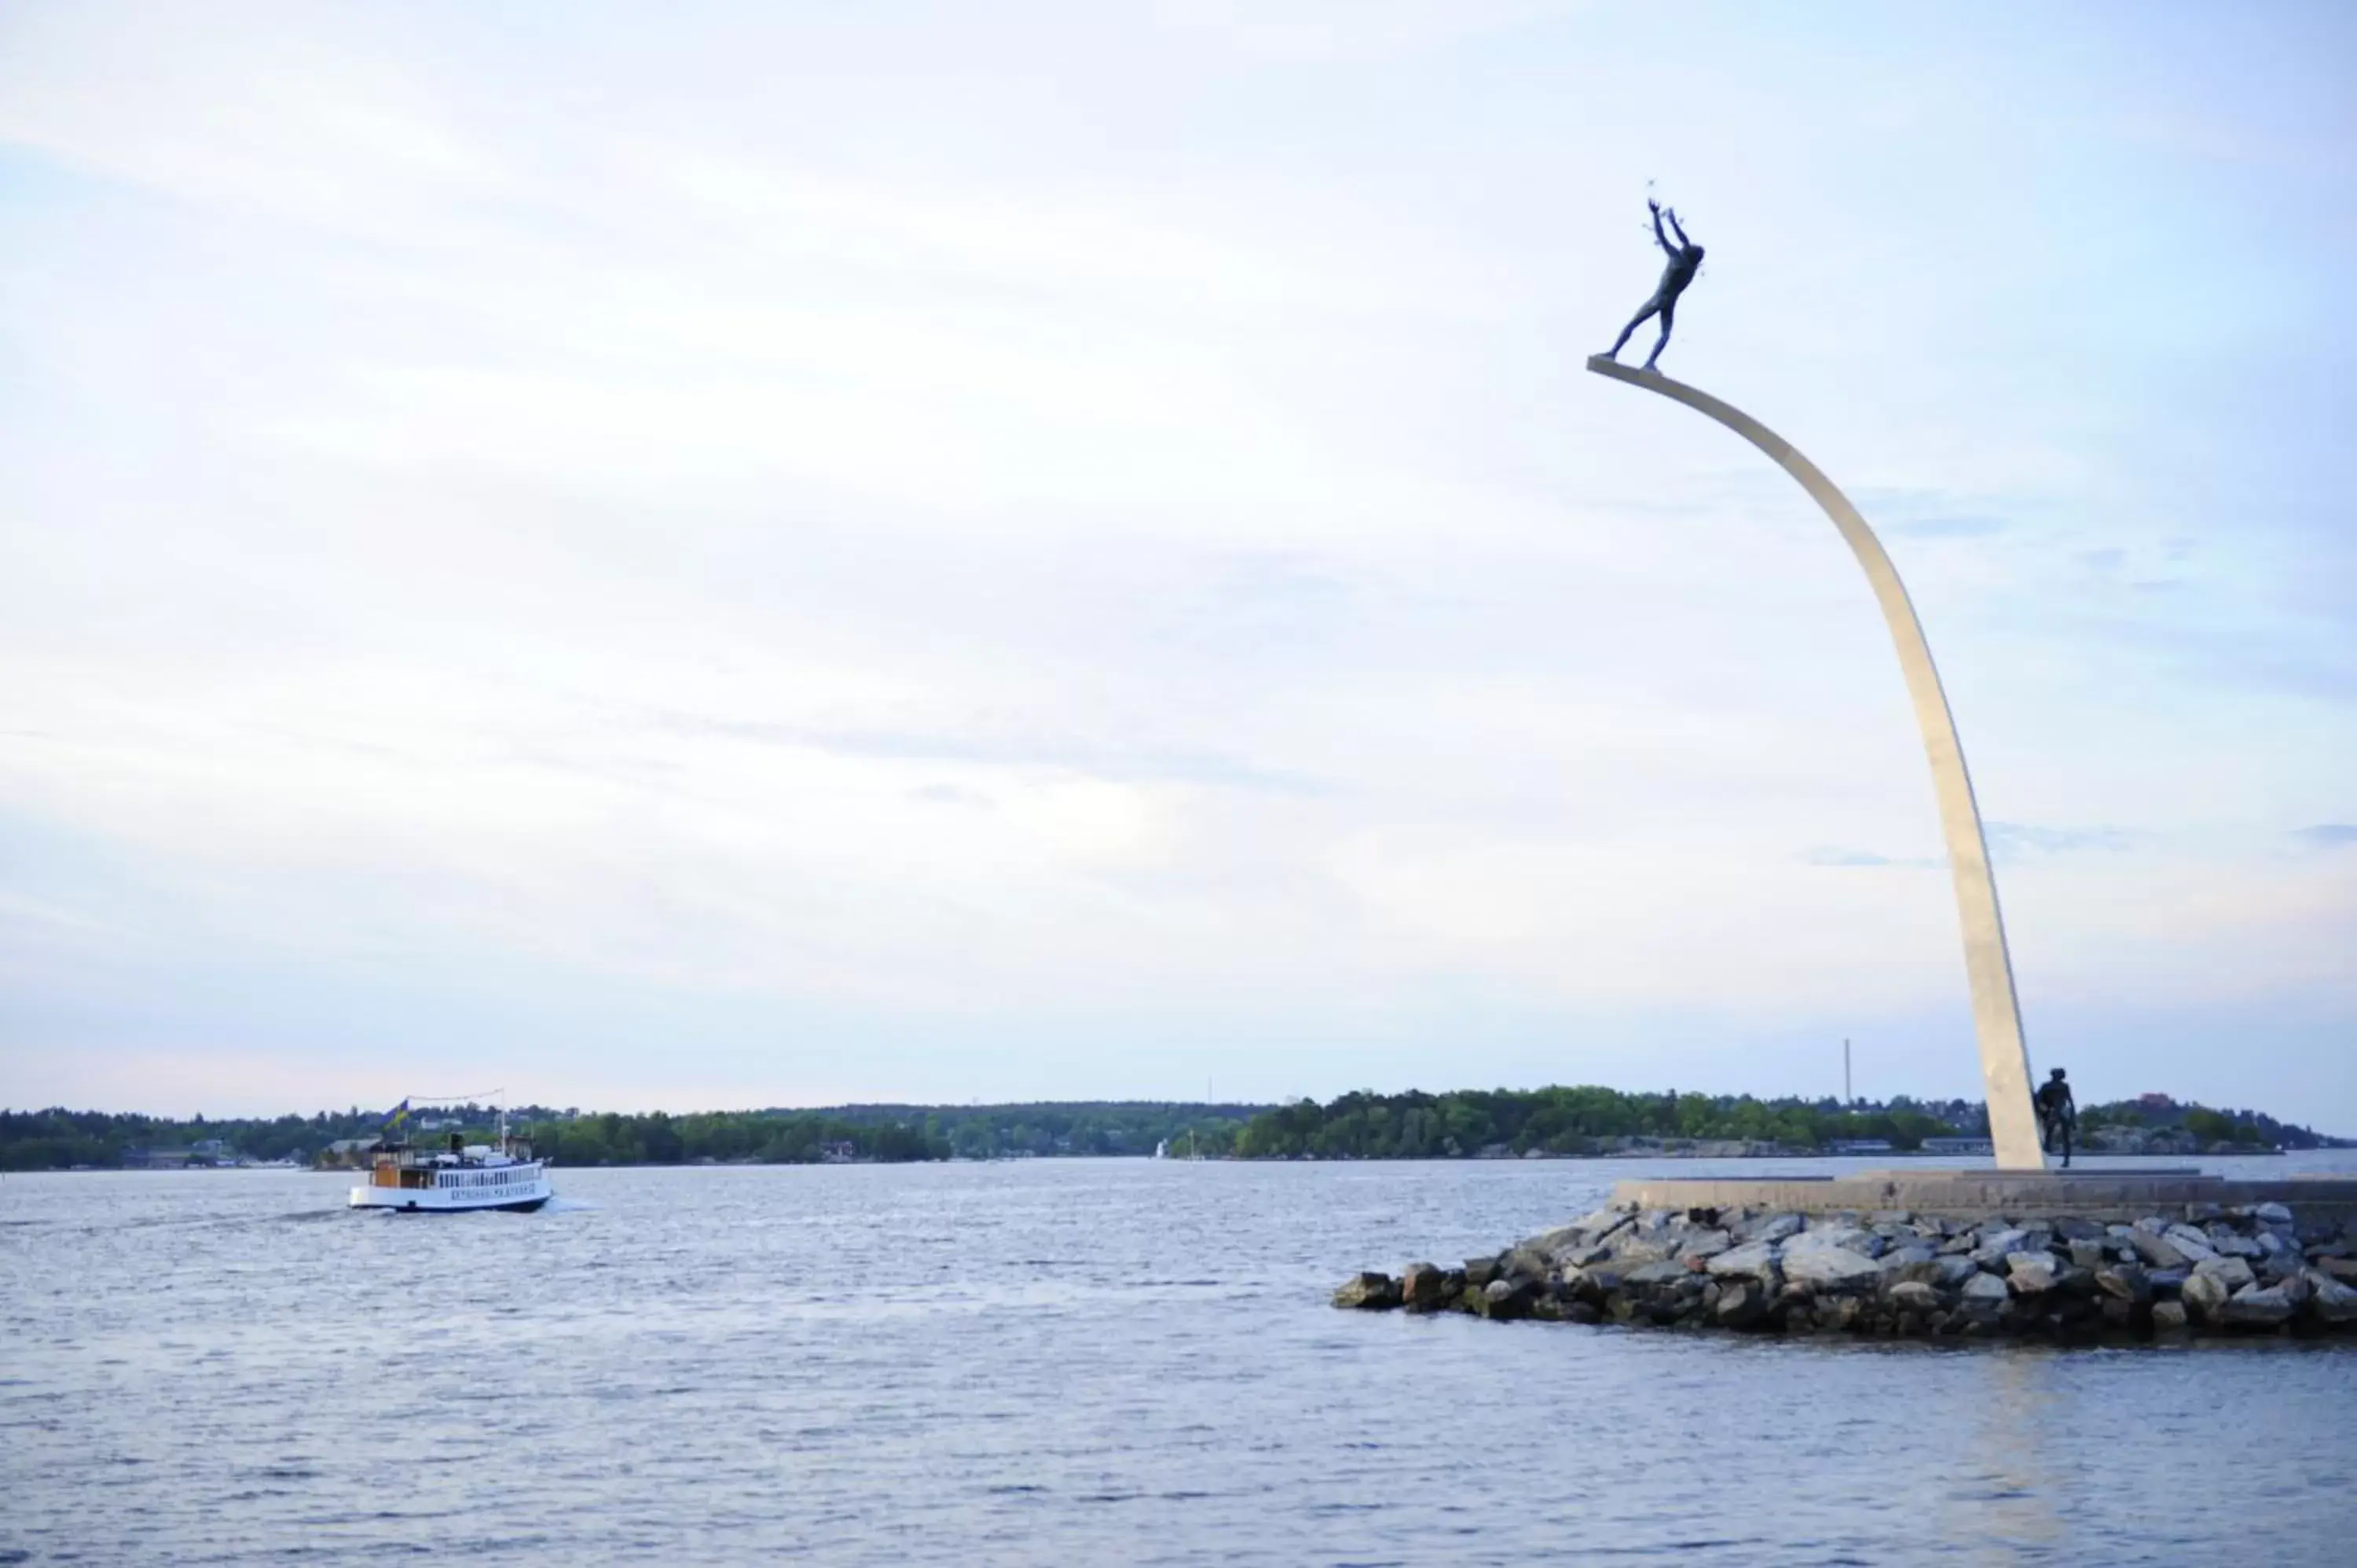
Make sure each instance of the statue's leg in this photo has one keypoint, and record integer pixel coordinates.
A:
(1669, 319)
(1634, 322)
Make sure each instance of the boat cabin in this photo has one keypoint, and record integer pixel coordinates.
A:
(461, 1165)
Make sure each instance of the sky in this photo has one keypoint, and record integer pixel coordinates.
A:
(726, 555)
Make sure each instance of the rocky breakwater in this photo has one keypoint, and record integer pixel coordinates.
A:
(2256, 1270)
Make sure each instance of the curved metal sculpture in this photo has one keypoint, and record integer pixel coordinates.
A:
(1996, 1015)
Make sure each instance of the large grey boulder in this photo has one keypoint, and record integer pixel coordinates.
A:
(2125, 1281)
(1828, 1269)
(2277, 1267)
(2031, 1273)
(1835, 1313)
(1741, 1303)
(1753, 1260)
(2195, 1244)
(2204, 1293)
(1770, 1228)
(1506, 1300)
(1526, 1263)
(1705, 1244)
(1906, 1255)
(1606, 1224)
(2231, 1273)
(1368, 1292)
(2227, 1244)
(2272, 1214)
(1953, 1271)
(1914, 1295)
(1630, 1249)
(1423, 1287)
(2156, 1250)
(1834, 1232)
(2330, 1301)
(2167, 1317)
(2257, 1308)
(1915, 1271)
(1580, 1284)
(1550, 1243)
(1996, 1244)
(1984, 1293)
(1661, 1271)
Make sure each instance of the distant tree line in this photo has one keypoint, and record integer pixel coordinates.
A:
(1590, 1120)
(59, 1139)
(1415, 1125)
(2253, 1129)
(889, 1133)
(1580, 1121)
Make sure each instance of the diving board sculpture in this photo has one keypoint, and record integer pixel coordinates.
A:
(1996, 1015)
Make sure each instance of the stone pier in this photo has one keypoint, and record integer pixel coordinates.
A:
(2091, 1257)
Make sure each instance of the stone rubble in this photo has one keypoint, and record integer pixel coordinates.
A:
(2242, 1271)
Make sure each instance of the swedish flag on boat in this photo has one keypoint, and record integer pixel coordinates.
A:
(399, 1114)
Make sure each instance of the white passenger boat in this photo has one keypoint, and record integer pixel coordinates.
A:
(459, 1179)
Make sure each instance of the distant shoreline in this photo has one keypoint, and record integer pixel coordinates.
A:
(1589, 1121)
(1637, 1157)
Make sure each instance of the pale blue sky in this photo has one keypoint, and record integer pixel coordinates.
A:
(731, 555)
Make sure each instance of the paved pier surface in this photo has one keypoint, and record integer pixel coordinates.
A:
(2092, 1194)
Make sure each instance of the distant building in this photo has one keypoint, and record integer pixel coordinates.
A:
(1858, 1146)
(1958, 1146)
(351, 1152)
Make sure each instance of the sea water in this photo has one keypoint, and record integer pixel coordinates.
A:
(1076, 1362)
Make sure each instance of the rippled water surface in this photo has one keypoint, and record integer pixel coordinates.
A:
(1074, 1362)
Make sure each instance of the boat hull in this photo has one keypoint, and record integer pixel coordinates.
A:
(475, 1189)
(396, 1202)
